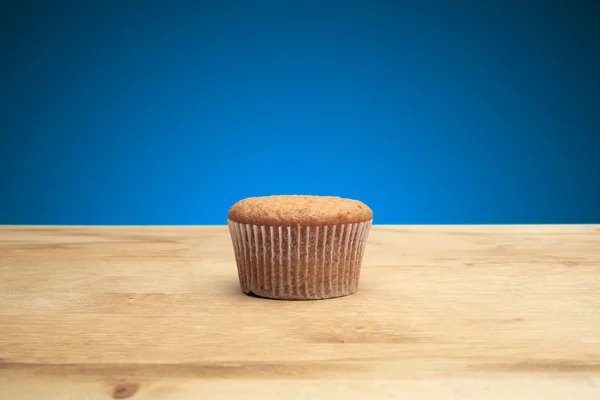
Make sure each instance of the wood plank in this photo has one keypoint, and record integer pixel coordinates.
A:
(156, 313)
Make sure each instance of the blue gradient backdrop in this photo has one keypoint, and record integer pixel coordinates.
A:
(146, 112)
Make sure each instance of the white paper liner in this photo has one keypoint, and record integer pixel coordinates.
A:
(309, 262)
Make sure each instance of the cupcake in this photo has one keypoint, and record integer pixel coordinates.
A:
(299, 247)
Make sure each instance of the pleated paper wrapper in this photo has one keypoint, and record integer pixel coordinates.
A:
(299, 263)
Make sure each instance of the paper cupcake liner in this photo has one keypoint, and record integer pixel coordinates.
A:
(308, 262)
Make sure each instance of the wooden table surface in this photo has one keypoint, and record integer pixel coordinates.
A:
(460, 312)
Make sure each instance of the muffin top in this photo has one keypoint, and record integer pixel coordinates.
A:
(297, 210)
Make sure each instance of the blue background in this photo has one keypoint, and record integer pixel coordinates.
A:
(146, 112)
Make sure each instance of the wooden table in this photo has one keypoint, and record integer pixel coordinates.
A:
(460, 312)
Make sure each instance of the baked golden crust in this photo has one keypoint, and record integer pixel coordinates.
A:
(299, 210)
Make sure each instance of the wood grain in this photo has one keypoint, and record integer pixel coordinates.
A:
(459, 312)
